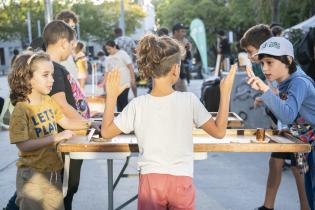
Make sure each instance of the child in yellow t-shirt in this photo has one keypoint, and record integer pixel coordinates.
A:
(33, 128)
(81, 62)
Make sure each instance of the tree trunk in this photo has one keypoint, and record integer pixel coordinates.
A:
(275, 11)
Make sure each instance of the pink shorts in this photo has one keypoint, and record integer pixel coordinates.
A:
(166, 192)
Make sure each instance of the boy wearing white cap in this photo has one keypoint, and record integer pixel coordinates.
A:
(296, 95)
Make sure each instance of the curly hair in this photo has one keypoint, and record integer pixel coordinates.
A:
(157, 55)
(21, 74)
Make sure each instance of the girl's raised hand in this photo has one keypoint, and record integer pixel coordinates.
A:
(112, 85)
(226, 84)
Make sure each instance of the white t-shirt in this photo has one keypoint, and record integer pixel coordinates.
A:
(163, 127)
(127, 44)
(70, 66)
(120, 60)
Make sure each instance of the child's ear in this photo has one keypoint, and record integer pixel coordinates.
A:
(290, 59)
(175, 69)
(64, 43)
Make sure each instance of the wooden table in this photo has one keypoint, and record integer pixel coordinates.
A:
(123, 146)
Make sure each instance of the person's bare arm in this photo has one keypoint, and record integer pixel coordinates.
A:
(102, 84)
(66, 108)
(67, 123)
(132, 79)
(217, 127)
(85, 62)
(34, 144)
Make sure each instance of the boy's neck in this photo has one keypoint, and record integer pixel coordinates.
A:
(54, 54)
(162, 87)
(283, 78)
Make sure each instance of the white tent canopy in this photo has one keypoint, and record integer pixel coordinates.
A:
(305, 25)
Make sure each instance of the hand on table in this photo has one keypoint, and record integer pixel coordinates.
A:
(64, 135)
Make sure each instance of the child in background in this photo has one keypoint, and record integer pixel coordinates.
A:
(296, 99)
(33, 128)
(81, 62)
(121, 60)
(163, 121)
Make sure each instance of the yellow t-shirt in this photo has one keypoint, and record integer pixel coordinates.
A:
(81, 64)
(34, 122)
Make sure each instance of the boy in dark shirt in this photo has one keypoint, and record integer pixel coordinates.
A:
(59, 39)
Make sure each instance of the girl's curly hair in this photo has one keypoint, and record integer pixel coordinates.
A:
(22, 73)
(157, 55)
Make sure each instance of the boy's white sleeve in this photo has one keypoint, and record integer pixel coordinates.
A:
(201, 114)
(125, 120)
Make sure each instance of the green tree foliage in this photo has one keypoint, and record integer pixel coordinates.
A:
(96, 21)
(100, 20)
(13, 17)
(235, 15)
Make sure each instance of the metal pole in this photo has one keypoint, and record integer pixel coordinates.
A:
(275, 11)
(29, 28)
(39, 30)
(51, 12)
(78, 31)
(93, 78)
(48, 11)
(110, 184)
(122, 17)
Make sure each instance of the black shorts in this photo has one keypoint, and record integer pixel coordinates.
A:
(286, 156)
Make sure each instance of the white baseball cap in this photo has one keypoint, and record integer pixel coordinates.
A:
(276, 46)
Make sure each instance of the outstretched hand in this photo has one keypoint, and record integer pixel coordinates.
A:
(226, 84)
(249, 71)
(113, 88)
(66, 134)
(255, 82)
